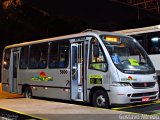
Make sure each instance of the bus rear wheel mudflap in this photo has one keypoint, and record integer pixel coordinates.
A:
(100, 99)
(28, 92)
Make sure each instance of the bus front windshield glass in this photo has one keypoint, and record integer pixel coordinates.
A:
(127, 55)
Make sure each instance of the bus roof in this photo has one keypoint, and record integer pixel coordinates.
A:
(88, 32)
(142, 30)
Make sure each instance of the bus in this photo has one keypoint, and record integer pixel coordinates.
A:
(102, 68)
(149, 38)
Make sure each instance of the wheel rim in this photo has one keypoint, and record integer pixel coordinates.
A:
(101, 101)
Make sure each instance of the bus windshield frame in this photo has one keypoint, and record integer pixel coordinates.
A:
(127, 55)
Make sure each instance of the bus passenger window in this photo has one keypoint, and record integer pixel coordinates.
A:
(6, 61)
(24, 58)
(38, 56)
(97, 58)
(154, 42)
(64, 55)
(59, 54)
(155, 45)
(53, 57)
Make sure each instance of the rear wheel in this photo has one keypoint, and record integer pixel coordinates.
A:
(28, 92)
(100, 99)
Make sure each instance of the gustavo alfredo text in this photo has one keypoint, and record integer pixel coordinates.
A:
(138, 117)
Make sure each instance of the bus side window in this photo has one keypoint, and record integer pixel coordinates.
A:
(64, 55)
(43, 58)
(53, 56)
(97, 59)
(24, 58)
(59, 54)
(154, 39)
(38, 56)
(6, 61)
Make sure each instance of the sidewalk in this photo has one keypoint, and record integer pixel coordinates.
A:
(7, 95)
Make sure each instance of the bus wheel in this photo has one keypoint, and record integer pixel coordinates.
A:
(28, 92)
(100, 99)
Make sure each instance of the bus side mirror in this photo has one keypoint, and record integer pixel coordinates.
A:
(96, 50)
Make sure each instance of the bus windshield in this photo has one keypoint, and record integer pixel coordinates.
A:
(127, 55)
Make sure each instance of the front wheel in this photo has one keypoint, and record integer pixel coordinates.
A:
(28, 92)
(100, 99)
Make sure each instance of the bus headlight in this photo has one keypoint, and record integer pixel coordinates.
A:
(155, 78)
(121, 84)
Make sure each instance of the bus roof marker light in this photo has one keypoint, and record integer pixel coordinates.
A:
(155, 39)
(112, 39)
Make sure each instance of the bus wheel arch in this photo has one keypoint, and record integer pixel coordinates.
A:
(99, 94)
(27, 91)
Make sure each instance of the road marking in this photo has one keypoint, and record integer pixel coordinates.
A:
(158, 101)
(134, 106)
(128, 109)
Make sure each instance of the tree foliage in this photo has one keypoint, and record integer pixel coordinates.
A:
(7, 4)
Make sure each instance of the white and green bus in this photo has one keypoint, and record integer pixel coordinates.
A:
(102, 68)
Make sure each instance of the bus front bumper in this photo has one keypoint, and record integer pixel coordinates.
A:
(127, 95)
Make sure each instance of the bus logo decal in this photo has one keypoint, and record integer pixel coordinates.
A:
(42, 77)
(129, 78)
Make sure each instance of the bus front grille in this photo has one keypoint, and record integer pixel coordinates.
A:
(143, 85)
(144, 94)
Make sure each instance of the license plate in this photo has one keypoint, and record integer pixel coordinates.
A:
(145, 99)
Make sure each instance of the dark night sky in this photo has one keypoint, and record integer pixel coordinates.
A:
(48, 18)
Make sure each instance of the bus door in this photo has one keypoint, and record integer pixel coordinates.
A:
(79, 71)
(14, 60)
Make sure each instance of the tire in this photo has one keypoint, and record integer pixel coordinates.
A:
(28, 92)
(100, 99)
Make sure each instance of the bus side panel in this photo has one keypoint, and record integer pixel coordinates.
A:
(5, 78)
(97, 79)
(51, 83)
(57, 93)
